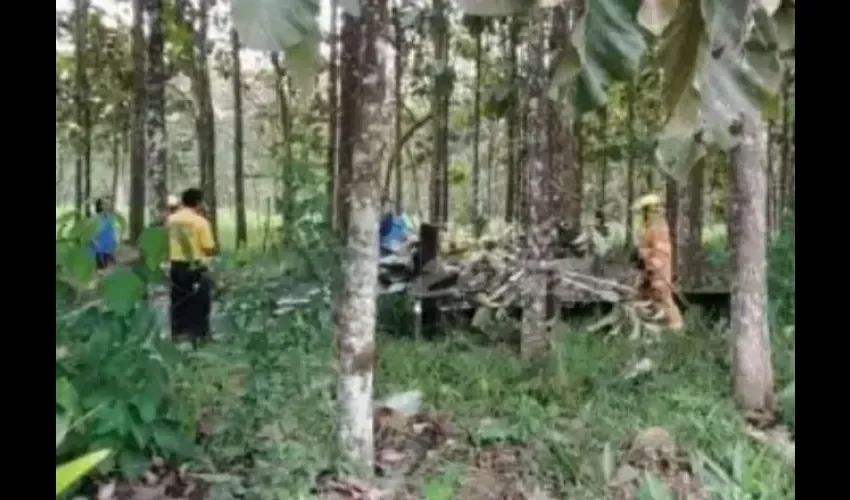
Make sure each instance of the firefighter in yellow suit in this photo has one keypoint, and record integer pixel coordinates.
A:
(654, 254)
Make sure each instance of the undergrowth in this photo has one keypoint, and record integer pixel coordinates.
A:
(255, 411)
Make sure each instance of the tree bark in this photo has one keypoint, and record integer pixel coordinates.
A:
(82, 174)
(347, 116)
(398, 93)
(535, 339)
(513, 172)
(475, 208)
(156, 135)
(356, 303)
(690, 227)
(238, 143)
(137, 126)
(439, 104)
(753, 371)
(333, 117)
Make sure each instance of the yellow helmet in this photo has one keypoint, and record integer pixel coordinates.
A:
(172, 201)
(647, 201)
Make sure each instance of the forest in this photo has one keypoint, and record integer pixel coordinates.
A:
(507, 350)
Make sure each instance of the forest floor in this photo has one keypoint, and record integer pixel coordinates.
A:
(579, 426)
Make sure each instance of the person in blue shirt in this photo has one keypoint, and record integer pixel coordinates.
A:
(105, 240)
(394, 229)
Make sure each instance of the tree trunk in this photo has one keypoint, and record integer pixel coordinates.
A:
(356, 303)
(117, 139)
(577, 206)
(137, 126)
(285, 119)
(348, 114)
(753, 371)
(631, 97)
(785, 155)
(333, 117)
(206, 138)
(398, 98)
(82, 181)
(561, 144)
(238, 143)
(475, 208)
(439, 104)
(603, 168)
(690, 227)
(535, 338)
(513, 122)
(671, 208)
(156, 136)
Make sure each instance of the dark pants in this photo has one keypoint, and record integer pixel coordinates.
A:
(191, 300)
(103, 260)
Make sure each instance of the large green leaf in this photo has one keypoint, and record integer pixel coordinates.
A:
(718, 68)
(288, 26)
(606, 47)
(121, 289)
(655, 15)
(68, 474)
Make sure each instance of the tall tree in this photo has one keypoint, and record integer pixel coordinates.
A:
(82, 175)
(137, 125)
(476, 27)
(238, 142)
(355, 305)
(747, 226)
(535, 336)
(156, 137)
(442, 82)
(333, 116)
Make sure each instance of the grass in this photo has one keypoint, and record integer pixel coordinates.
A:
(570, 415)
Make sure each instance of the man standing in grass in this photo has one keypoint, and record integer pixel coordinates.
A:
(191, 245)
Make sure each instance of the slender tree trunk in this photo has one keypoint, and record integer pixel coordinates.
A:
(348, 114)
(747, 225)
(690, 227)
(631, 97)
(207, 140)
(398, 81)
(81, 11)
(355, 305)
(137, 126)
(238, 143)
(513, 173)
(333, 117)
(535, 338)
(440, 92)
(475, 212)
(115, 144)
(156, 138)
(285, 119)
(603, 168)
(785, 154)
(671, 205)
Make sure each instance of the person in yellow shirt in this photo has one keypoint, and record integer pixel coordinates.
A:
(654, 251)
(191, 244)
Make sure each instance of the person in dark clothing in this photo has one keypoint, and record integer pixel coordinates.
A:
(191, 245)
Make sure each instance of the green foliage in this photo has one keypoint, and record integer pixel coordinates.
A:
(114, 374)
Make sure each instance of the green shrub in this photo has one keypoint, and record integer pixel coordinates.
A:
(113, 369)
